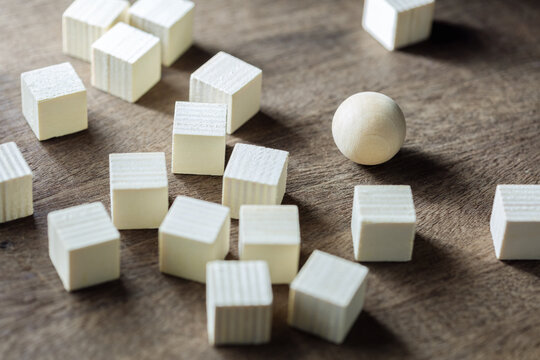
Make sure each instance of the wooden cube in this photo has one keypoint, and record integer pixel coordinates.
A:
(238, 302)
(193, 233)
(327, 296)
(139, 190)
(126, 62)
(515, 222)
(228, 80)
(54, 101)
(398, 23)
(170, 20)
(271, 233)
(254, 175)
(84, 246)
(85, 21)
(383, 223)
(199, 138)
(15, 184)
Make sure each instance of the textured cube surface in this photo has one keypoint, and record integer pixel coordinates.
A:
(126, 62)
(515, 222)
(327, 296)
(139, 190)
(199, 138)
(54, 101)
(383, 223)
(84, 245)
(193, 233)
(271, 233)
(228, 80)
(238, 302)
(15, 184)
(254, 175)
(170, 20)
(398, 23)
(85, 21)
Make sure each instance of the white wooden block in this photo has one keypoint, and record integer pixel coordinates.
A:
(398, 23)
(170, 20)
(126, 62)
(84, 246)
(193, 233)
(228, 80)
(199, 138)
(271, 233)
(327, 296)
(85, 21)
(139, 190)
(54, 101)
(238, 302)
(515, 222)
(383, 223)
(254, 175)
(15, 184)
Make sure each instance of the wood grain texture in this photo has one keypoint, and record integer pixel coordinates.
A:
(471, 97)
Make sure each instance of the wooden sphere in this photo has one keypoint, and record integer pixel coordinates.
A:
(369, 128)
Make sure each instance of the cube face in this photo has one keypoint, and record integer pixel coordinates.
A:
(198, 155)
(193, 233)
(271, 233)
(327, 296)
(414, 23)
(228, 80)
(245, 103)
(139, 190)
(85, 21)
(255, 175)
(384, 242)
(245, 330)
(238, 302)
(127, 70)
(398, 23)
(84, 246)
(304, 311)
(170, 20)
(380, 21)
(383, 223)
(94, 265)
(515, 222)
(54, 101)
(139, 208)
(16, 199)
(199, 138)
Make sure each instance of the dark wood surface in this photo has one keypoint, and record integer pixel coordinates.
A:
(471, 97)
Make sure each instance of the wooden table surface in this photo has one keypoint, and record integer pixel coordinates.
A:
(471, 97)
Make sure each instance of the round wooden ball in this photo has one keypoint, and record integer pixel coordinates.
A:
(369, 128)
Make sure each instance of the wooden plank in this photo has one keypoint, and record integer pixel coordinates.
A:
(471, 99)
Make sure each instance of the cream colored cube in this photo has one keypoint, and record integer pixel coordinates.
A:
(255, 175)
(84, 246)
(139, 190)
(85, 21)
(15, 184)
(170, 20)
(199, 138)
(515, 222)
(238, 302)
(271, 233)
(383, 223)
(54, 101)
(193, 233)
(228, 80)
(398, 23)
(327, 296)
(126, 62)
